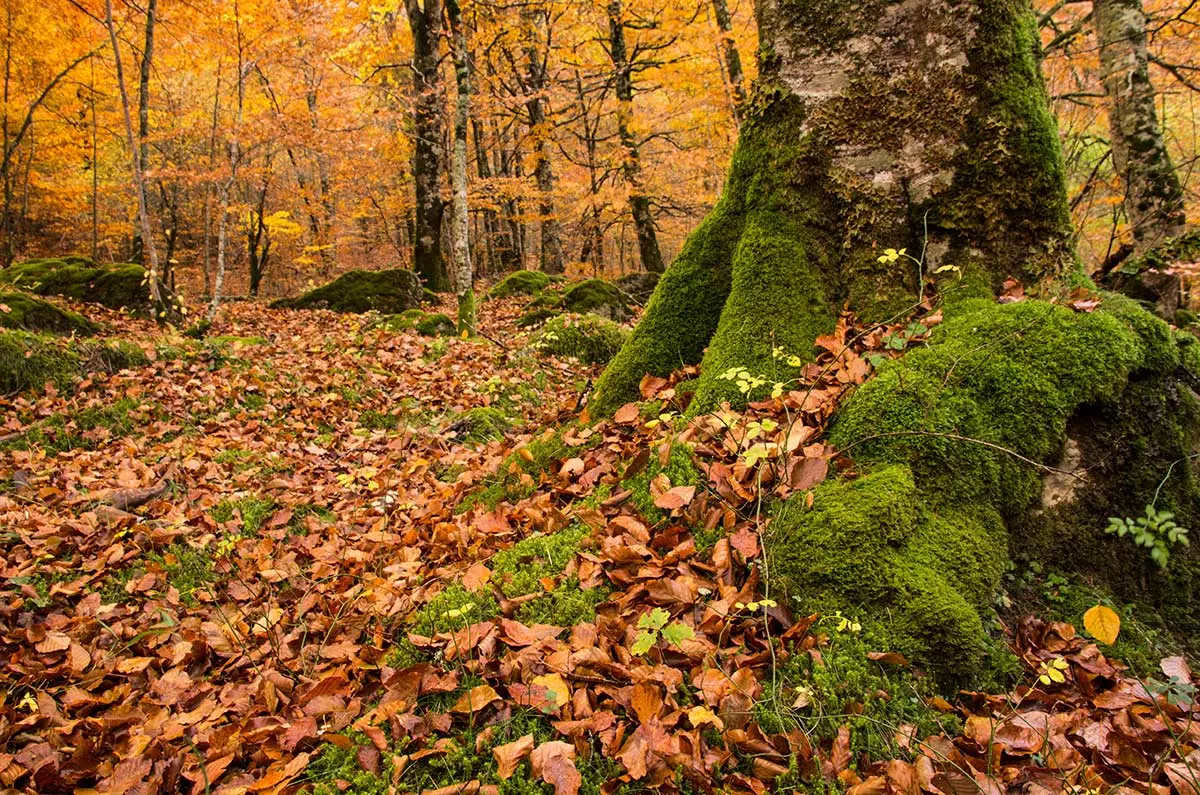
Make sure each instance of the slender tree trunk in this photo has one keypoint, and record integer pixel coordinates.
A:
(258, 238)
(235, 155)
(733, 61)
(139, 178)
(541, 129)
(425, 20)
(1154, 204)
(461, 221)
(144, 69)
(923, 125)
(491, 221)
(327, 243)
(639, 202)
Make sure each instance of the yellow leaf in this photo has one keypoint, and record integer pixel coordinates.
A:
(556, 685)
(702, 715)
(1103, 623)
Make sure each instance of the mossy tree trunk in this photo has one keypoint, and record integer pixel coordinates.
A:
(460, 221)
(920, 124)
(1153, 202)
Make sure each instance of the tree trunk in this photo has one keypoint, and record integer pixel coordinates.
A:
(639, 202)
(920, 124)
(1153, 203)
(144, 69)
(540, 130)
(425, 20)
(460, 222)
(733, 61)
(139, 178)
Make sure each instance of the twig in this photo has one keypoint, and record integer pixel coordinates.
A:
(958, 438)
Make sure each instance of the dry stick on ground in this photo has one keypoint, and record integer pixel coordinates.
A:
(956, 437)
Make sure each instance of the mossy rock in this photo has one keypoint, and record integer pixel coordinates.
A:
(480, 424)
(118, 286)
(952, 436)
(388, 291)
(638, 287)
(29, 361)
(520, 283)
(597, 297)
(591, 340)
(24, 312)
(427, 324)
(536, 317)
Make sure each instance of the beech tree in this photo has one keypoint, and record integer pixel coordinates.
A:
(891, 152)
(924, 126)
(1153, 201)
(425, 20)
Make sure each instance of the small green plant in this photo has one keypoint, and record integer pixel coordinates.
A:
(1156, 530)
(1053, 671)
(653, 626)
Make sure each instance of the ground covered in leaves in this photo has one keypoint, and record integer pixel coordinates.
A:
(305, 553)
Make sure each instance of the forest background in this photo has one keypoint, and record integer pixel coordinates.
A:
(301, 119)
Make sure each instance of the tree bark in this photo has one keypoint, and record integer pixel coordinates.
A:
(921, 124)
(639, 202)
(425, 21)
(139, 178)
(464, 287)
(540, 129)
(1153, 203)
(733, 60)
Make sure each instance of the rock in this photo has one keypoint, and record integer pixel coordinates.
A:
(389, 291)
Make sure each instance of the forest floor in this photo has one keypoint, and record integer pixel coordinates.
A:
(290, 556)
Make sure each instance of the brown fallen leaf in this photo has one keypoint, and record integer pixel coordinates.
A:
(554, 763)
(509, 755)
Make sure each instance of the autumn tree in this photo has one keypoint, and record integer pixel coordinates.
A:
(888, 156)
(623, 62)
(425, 21)
(1153, 201)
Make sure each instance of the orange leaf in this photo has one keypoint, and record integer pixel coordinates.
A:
(508, 756)
(476, 699)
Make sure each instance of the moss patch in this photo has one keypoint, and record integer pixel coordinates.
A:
(680, 470)
(119, 286)
(946, 434)
(427, 324)
(591, 340)
(597, 297)
(29, 361)
(27, 313)
(520, 283)
(480, 424)
(389, 291)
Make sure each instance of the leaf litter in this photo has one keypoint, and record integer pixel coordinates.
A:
(209, 599)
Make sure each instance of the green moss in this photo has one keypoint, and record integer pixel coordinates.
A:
(597, 297)
(843, 686)
(947, 433)
(336, 770)
(536, 317)
(1002, 374)
(680, 469)
(27, 313)
(388, 291)
(481, 424)
(29, 361)
(866, 549)
(518, 474)
(520, 568)
(82, 429)
(520, 283)
(453, 609)
(378, 420)
(232, 340)
(119, 286)
(252, 511)
(1144, 639)
(183, 567)
(590, 339)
